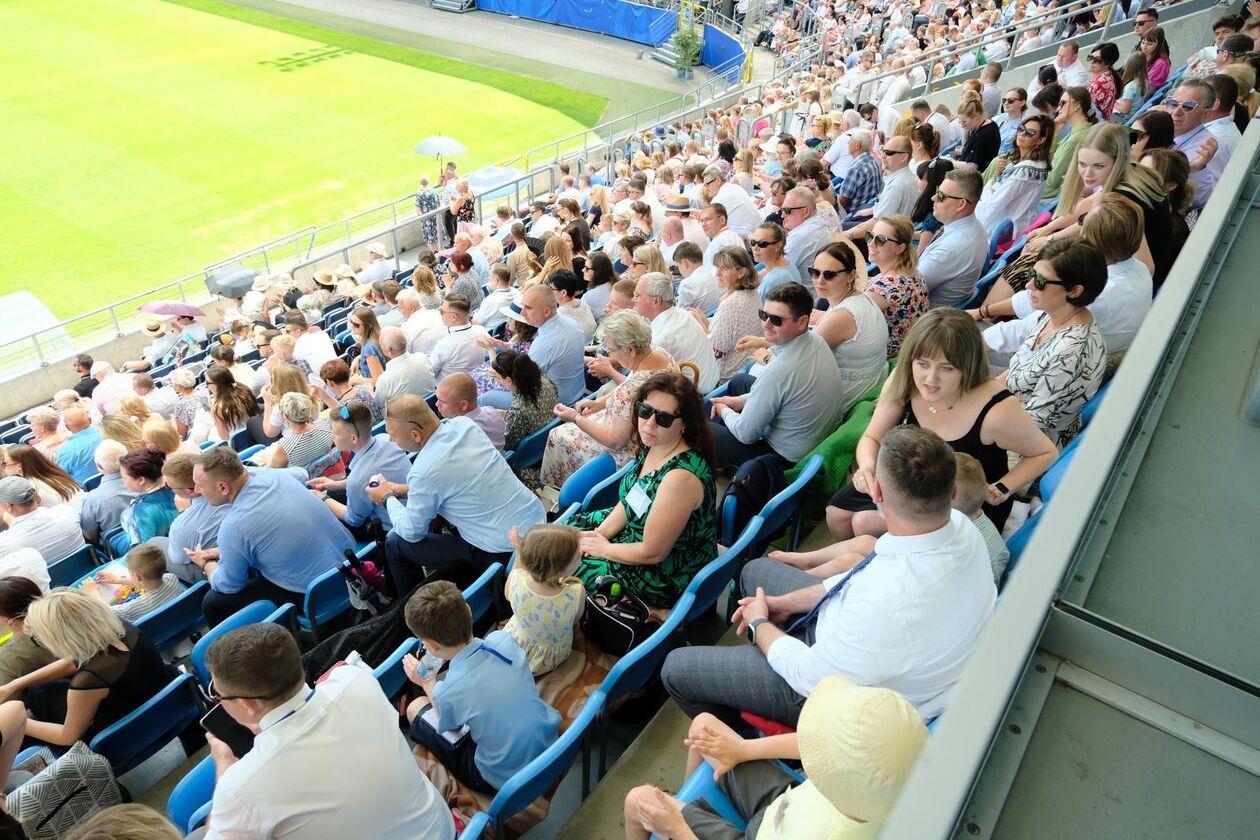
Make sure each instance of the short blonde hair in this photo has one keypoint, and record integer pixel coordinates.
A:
(73, 625)
(160, 434)
(147, 561)
(970, 484)
(297, 407)
(134, 406)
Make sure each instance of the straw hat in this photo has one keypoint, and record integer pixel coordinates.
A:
(154, 327)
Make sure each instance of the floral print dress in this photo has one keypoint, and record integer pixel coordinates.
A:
(543, 624)
(661, 584)
(907, 297)
(428, 200)
(1056, 379)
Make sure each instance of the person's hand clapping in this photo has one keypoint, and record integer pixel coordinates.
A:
(601, 367)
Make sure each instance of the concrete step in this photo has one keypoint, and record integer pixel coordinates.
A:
(457, 6)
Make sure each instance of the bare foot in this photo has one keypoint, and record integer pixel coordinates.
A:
(796, 559)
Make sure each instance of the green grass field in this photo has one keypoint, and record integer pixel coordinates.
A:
(144, 139)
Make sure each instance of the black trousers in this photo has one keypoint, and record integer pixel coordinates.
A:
(731, 451)
(217, 606)
(445, 555)
(459, 759)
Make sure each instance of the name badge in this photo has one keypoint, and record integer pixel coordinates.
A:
(638, 500)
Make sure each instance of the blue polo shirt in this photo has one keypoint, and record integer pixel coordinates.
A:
(559, 350)
(381, 455)
(196, 526)
(279, 529)
(77, 455)
(103, 507)
(490, 689)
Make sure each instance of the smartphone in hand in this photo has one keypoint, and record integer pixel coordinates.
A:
(221, 725)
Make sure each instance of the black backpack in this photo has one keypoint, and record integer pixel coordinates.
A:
(757, 482)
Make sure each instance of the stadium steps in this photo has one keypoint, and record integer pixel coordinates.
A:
(457, 6)
(665, 53)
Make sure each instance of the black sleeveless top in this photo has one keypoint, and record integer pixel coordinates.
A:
(992, 458)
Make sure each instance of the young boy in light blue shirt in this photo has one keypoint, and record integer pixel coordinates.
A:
(490, 721)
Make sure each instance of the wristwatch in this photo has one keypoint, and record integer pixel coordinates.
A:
(752, 629)
(1002, 488)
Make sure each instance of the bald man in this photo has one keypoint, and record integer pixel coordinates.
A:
(457, 397)
(459, 476)
(558, 349)
(76, 455)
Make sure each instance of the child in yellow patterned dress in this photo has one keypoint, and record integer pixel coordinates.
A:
(546, 599)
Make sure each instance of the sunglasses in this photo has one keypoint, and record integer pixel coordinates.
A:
(1010, 100)
(1040, 283)
(777, 320)
(1030, 130)
(663, 418)
(881, 240)
(786, 210)
(344, 413)
(1187, 106)
(815, 273)
(890, 152)
(940, 196)
(1095, 59)
(763, 243)
(1135, 134)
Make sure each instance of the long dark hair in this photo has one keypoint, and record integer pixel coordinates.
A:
(696, 431)
(35, 465)
(16, 595)
(233, 402)
(579, 237)
(522, 370)
(601, 270)
(933, 172)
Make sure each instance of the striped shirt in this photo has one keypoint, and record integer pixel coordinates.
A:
(150, 599)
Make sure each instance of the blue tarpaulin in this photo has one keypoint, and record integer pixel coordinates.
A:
(721, 50)
(641, 24)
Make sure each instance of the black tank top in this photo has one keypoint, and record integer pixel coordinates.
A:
(992, 458)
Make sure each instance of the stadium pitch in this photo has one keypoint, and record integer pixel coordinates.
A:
(144, 139)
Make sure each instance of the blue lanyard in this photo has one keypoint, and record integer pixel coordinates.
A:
(292, 712)
(493, 652)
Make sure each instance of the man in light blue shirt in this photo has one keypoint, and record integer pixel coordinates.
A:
(558, 348)
(103, 505)
(459, 476)
(370, 455)
(196, 530)
(951, 264)
(276, 539)
(795, 402)
(77, 455)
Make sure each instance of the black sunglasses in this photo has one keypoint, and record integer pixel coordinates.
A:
(1040, 283)
(881, 240)
(763, 243)
(815, 273)
(1029, 130)
(663, 418)
(777, 320)
(1010, 100)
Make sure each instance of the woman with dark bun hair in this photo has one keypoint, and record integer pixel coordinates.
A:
(152, 510)
(533, 395)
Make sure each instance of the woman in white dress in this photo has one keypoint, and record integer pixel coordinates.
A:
(1015, 182)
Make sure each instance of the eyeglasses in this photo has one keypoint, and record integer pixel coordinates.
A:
(387, 418)
(881, 240)
(9, 465)
(1040, 283)
(663, 418)
(777, 320)
(1187, 106)
(785, 209)
(213, 693)
(940, 196)
(1030, 130)
(763, 243)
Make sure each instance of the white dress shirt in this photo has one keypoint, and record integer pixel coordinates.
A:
(1119, 310)
(330, 762)
(410, 373)
(726, 238)
(52, 531)
(27, 563)
(490, 313)
(907, 622)
(700, 290)
(423, 330)
(315, 348)
(680, 335)
(458, 351)
(1074, 75)
(741, 214)
(162, 400)
(112, 388)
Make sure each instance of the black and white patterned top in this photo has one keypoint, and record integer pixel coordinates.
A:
(1055, 380)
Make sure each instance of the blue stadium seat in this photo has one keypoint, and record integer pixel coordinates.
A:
(1004, 232)
(1053, 477)
(530, 451)
(92, 482)
(711, 581)
(1091, 408)
(255, 613)
(139, 735)
(326, 598)
(537, 777)
(71, 568)
(476, 828)
(171, 623)
(606, 493)
(775, 514)
(240, 440)
(115, 542)
(390, 673)
(484, 591)
(190, 795)
(585, 479)
(1016, 545)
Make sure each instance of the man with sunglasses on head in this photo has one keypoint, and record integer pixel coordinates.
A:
(791, 405)
(900, 192)
(1189, 106)
(952, 261)
(459, 476)
(326, 761)
(807, 233)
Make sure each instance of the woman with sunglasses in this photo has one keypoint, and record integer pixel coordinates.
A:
(1154, 45)
(1106, 84)
(112, 670)
(366, 332)
(1152, 130)
(736, 314)
(1057, 351)
(605, 424)
(1013, 190)
(898, 290)
(943, 383)
(853, 325)
(769, 244)
(1072, 115)
(663, 528)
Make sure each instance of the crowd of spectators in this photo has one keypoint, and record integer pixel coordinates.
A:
(727, 292)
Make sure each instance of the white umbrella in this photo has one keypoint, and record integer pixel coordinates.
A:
(440, 146)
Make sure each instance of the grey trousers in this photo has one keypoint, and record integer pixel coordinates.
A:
(729, 679)
(751, 788)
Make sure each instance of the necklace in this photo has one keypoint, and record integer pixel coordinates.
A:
(934, 410)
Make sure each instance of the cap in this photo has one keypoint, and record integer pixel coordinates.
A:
(15, 490)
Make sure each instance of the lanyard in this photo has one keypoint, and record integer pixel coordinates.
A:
(293, 711)
(492, 652)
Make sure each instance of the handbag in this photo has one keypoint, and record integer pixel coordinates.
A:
(65, 792)
(616, 619)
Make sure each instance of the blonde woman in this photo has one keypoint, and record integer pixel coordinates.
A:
(618, 228)
(286, 379)
(426, 287)
(134, 408)
(557, 256)
(648, 258)
(160, 434)
(736, 314)
(744, 168)
(600, 206)
(106, 669)
(594, 427)
(123, 429)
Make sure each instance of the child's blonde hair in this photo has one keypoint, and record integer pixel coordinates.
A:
(146, 561)
(547, 550)
(970, 484)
